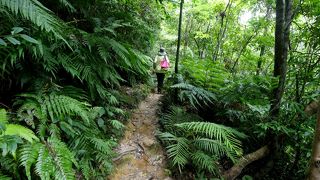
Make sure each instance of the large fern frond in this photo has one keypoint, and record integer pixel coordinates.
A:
(15, 129)
(28, 156)
(212, 146)
(34, 11)
(56, 106)
(3, 116)
(44, 165)
(21, 131)
(226, 135)
(203, 161)
(68, 5)
(176, 115)
(4, 177)
(196, 96)
(178, 150)
(63, 159)
(52, 159)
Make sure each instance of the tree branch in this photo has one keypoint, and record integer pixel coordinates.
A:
(236, 170)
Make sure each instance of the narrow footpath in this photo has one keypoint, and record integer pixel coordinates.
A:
(141, 156)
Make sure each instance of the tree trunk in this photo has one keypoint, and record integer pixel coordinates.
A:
(314, 172)
(280, 64)
(263, 47)
(262, 52)
(243, 48)
(223, 27)
(282, 33)
(176, 69)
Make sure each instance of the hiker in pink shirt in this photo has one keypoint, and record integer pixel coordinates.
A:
(161, 65)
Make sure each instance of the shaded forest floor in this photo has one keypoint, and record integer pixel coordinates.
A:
(141, 156)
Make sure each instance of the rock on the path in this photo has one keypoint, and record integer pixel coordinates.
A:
(168, 178)
(156, 160)
(148, 142)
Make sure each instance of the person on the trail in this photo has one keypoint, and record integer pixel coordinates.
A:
(161, 65)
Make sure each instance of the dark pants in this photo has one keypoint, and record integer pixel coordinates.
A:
(160, 78)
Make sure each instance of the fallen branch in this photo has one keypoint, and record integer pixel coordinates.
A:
(123, 154)
(236, 170)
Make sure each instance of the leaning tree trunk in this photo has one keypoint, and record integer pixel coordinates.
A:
(314, 172)
(236, 170)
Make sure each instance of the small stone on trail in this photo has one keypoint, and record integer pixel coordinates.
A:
(148, 142)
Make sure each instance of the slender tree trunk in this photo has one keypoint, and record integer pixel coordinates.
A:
(243, 48)
(216, 50)
(176, 69)
(282, 33)
(263, 47)
(279, 59)
(223, 27)
(186, 34)
(259, 64)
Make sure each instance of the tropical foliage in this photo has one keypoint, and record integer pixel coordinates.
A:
(235, 71)
(62, 64)
(243, 105)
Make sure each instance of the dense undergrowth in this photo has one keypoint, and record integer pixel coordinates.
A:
(216, 119)
(63, 64)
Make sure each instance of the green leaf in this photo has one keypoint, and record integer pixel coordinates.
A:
(13, 40)
(16, 30)
(29, 39)
(21, 131)
(2, 42)
(3, 116)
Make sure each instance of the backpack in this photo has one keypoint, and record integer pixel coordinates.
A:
(164, 63)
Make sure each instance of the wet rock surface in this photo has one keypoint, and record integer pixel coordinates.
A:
(141, 156)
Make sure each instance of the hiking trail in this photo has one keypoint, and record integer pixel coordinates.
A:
(141, 156)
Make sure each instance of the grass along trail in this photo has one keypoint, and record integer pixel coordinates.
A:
(141, 157)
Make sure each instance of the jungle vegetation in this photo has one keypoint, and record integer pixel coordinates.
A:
(241, 99)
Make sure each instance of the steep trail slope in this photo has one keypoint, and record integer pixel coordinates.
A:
(141, 155)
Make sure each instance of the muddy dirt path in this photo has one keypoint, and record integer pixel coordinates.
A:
(141, 155)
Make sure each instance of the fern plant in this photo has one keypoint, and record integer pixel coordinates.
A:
(199, 143)
(196, 96)
(41, 16)
(82, 127)
(52, 160)
(11, 135)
